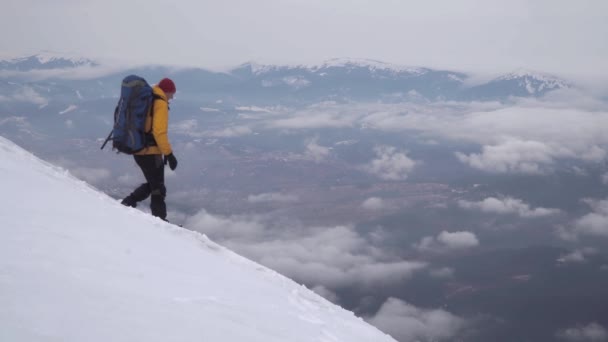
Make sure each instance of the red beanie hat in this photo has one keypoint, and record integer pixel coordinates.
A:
(167, 85)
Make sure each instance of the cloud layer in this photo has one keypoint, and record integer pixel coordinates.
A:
(448, 241)
(331, 257)
(591, 332)
(407, 323)
(390, 164)
(507, 205)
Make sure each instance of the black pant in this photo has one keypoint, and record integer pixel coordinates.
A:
(154, 170)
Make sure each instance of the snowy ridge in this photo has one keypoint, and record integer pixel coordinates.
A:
(78, 266)
(348, 63)
(47, 60)
(48, 56)
(534, 81)
(371, 64)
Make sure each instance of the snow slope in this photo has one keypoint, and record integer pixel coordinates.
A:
(75, 265)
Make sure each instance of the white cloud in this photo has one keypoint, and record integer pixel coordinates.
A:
(507, 205)
(271, 197)
(191, 128)
(373, 203)
(331, 257)
(230, 132)
(596, 222)
(577, 256)
(565, 233)
(209, 110)
(312, 118)
(513, 139)
(129, 179)
(28, 94)
(91, 175)
(446, 241)
(458, 240)
(222, 228)
(592, 332)
(296, 82)
(186, 127)
(574, 257)
(512, 156)
(77, 73)
(315, 151)
(405, 322)
(390, 164)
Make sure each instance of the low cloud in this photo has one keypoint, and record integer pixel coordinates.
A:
(528, 137)
(577, 256)
(191, 128)
(390, 164)
(507, 205)
(314, 117)
(271, 197)
(29, 95)
(230, 132)
(316, 152)
(85, 72)
(446, 241)
(596, 222)
(593, 224)
(91, 175)
(406, 322)
(332, 257)
(373, 203)
(530, 157)
(130, 179)
(592, 332)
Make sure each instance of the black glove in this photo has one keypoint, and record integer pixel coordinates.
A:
(170, 158)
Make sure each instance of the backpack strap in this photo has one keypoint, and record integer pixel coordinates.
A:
(154, 98)
(150, 137)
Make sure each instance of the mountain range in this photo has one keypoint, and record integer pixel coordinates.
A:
(339, 80)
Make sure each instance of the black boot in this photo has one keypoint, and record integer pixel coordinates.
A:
(128, 201)
(141, 193)
(158, 206)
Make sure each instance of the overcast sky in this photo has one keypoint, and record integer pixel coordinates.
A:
(486, 35)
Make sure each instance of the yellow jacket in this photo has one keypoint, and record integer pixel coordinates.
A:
(158, 123)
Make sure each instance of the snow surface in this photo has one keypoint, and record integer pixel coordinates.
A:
(75, 265)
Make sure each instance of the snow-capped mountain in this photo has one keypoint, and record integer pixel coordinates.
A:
(522, 83)
(343, 63)
(45, 61)
(347, 80)
(78, 266)
(340, 80)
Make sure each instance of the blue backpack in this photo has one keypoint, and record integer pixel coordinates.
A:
(136, 101)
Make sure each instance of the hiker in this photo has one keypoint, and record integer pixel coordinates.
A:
(150, 159)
